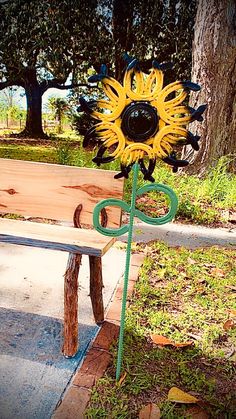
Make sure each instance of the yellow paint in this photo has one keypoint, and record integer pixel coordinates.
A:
(138, 86)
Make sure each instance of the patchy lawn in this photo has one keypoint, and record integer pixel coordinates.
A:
(209, 201)
(187, 297)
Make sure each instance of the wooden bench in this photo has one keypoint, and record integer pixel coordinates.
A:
(68, 195)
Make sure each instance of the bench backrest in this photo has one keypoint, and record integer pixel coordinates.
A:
(54, 191)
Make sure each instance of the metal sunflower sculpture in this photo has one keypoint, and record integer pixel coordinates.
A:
(141, 121)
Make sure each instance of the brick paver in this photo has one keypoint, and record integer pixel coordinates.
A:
(73, 404)
(77, 396)
(93, 368)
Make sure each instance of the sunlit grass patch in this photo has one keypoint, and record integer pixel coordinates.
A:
(205, 201)
(201, 200)
(186, 296)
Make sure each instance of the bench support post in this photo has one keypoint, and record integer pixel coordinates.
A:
(70, 346)
(96, 286)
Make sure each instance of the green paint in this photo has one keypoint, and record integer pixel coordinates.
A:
(124, 206)
(126, 276)
(128, 228)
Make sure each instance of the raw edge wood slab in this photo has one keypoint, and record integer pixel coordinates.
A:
(62, 193)
(54, 191)
(68, 239)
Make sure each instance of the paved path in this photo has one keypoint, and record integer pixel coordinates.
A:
(33, 372)
(190, 236)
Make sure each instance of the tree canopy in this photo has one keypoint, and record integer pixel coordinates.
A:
(55, 41)
(52, 44)
(154, 29)
(43, 46)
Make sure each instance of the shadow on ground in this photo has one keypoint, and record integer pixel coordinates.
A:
(31, 344)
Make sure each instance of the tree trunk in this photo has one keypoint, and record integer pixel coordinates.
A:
(33, 127)
(33, 92)
(214, 68)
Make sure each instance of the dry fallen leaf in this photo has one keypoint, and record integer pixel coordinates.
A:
(122, 378)
(182, 345)
(231, 287)
(201, 280)
(191, 261)
(179, 396)
(232, 312)
(229, 324)
(150, 411)
(163, 341)
(217, 272)
(196, 412)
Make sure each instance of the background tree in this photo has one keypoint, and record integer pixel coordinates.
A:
(153, 28)
(42, 45)
(9, 96)
(145, 29)
(214, 68)
(59, 108)
(10, 109)
(49, 44)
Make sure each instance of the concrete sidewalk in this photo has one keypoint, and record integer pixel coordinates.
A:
(190, 236)
(34, 374)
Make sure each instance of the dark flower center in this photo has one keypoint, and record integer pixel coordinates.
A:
(139, 121)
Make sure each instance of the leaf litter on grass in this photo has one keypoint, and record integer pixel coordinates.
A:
(175, 310)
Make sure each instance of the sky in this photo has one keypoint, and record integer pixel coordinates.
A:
(53, 92)
(20, 99)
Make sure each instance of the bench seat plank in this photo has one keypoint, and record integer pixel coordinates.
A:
(68, 239)
(54, 191)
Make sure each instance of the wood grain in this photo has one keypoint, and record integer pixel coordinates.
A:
(96, 286)
(70, 345)
(68, 239)
(54, 191)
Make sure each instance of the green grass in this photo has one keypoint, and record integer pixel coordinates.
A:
(202, 201)
(58, 152)
(182, 295)
(35, 153)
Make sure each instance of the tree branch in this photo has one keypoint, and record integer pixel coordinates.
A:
(9, 83)
(47, 84)
(73, 85)
(3, 2)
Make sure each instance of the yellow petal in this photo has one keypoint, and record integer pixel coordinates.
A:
(179, 396)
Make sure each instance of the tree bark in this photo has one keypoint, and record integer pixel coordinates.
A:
(33, 127)
(96, 286)
(70, 346)
(214, 68)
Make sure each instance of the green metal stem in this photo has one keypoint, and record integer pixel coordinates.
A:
(127, 266)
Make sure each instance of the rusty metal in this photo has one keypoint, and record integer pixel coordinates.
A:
(76, 217)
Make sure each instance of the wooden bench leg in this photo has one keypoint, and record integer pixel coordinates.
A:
(70, 346)
(96, 286)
